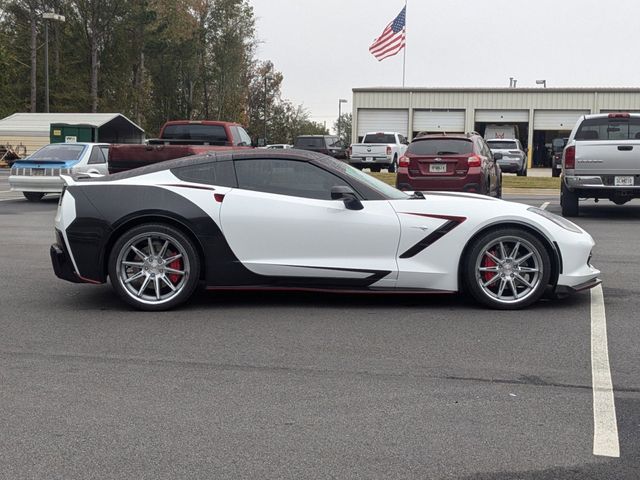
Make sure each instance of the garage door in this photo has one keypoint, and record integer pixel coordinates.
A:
(556, 119)
(438, 121)
(374, 120)
(502, 116)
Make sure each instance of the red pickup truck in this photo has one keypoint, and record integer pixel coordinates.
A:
(179, 138)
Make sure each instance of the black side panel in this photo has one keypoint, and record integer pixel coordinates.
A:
(430, 239)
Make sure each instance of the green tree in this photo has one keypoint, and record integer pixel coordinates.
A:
(343, 126)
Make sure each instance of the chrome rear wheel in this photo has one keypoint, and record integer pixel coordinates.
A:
(154, 267)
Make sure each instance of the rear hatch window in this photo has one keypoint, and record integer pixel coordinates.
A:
(213, 134)
(379, 138)
(502, 145)
(310, 143)
(57, 152)
(609, 128)
(439, 156)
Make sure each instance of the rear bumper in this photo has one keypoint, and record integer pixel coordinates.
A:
(44, 184)
(471, 183)
(364, 161)
(510, 166)
(62, 265)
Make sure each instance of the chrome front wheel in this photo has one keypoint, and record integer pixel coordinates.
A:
(508, 268)
(154, 267)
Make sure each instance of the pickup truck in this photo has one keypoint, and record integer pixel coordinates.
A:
(179, 138)
(379, 150)
(601, 160)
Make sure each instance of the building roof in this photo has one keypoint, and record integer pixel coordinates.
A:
(38, 124)
(500, 89)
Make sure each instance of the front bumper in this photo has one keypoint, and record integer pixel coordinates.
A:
(568, 290)
(44, 184)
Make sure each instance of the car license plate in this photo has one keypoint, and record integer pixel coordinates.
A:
(369, 159)
(37, 171)
(438, 168)
(623, 181)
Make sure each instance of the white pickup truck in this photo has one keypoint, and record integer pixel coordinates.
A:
(379, 150)
(601, 160)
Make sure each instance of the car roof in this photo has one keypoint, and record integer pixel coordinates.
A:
(431, 136)
(501, 140)
(79, 143)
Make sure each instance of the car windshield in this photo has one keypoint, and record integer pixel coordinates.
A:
(441, 146)
(609, 128)
(389, 192)
(379, 138)
(58, 152)
(208, 133)
(502, 145)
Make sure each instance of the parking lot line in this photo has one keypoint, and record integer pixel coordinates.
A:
(544, 205)
(605, 426)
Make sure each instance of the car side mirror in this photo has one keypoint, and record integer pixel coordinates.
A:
(497, 156)
(348, 196)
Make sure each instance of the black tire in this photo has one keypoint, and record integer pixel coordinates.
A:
(375, 169)
(499, 187)
(523, 172)
(394, 165)
(183, 275)
(555, 172)
(33, 196)
(568, 202)
(490, 290)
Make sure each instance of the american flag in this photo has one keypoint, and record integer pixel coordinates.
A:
(392, 38)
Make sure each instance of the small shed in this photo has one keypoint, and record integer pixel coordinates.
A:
(33, 130)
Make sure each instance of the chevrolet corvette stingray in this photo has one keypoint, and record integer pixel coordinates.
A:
(275, 220)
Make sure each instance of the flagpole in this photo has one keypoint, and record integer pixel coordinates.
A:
(404, 53)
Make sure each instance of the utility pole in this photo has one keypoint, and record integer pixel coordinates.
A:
(265, 109)
(340, 102)
(48, 16)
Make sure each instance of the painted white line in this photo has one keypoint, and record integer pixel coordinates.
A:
(605, 426)
(544, 206)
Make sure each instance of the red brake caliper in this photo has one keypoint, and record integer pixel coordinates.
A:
(176, 265)
(488, 262)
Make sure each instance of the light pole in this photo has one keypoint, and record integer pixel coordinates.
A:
(59, 18)
(340, 102)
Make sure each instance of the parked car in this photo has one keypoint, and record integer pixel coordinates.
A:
(513, 160)
(601, 161)
(500, 132)
(327, 144)
(179, 138)
(263, 220)
(557, 146)
(378, 150)
(278, 146)
(39, 174)
(455, 162)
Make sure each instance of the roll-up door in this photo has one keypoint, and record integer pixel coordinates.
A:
(556, 119)
(502, 116)
(438, 121)
(388, 120)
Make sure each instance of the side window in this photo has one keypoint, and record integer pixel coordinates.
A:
(211, 173)
(105, 153)
(96, 156)
(245, 139)
(286, 177)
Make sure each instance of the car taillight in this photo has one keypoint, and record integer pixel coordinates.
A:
(404, 161)
(570, 158)
(474, 161)
(388, 150)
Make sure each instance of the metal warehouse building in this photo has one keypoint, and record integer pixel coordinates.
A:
(540, 114)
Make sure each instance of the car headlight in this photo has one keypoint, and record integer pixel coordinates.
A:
(558, 220)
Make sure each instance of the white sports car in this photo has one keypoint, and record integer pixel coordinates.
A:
(288, 219)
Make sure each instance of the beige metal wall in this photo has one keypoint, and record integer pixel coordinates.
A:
(530, 99)
(32, 143)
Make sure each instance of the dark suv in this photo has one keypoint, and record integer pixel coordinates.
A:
(327, 144)
(458, 162)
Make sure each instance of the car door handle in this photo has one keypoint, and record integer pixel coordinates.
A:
(625, 148)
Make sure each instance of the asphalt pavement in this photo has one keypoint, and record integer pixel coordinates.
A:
(306, 385)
